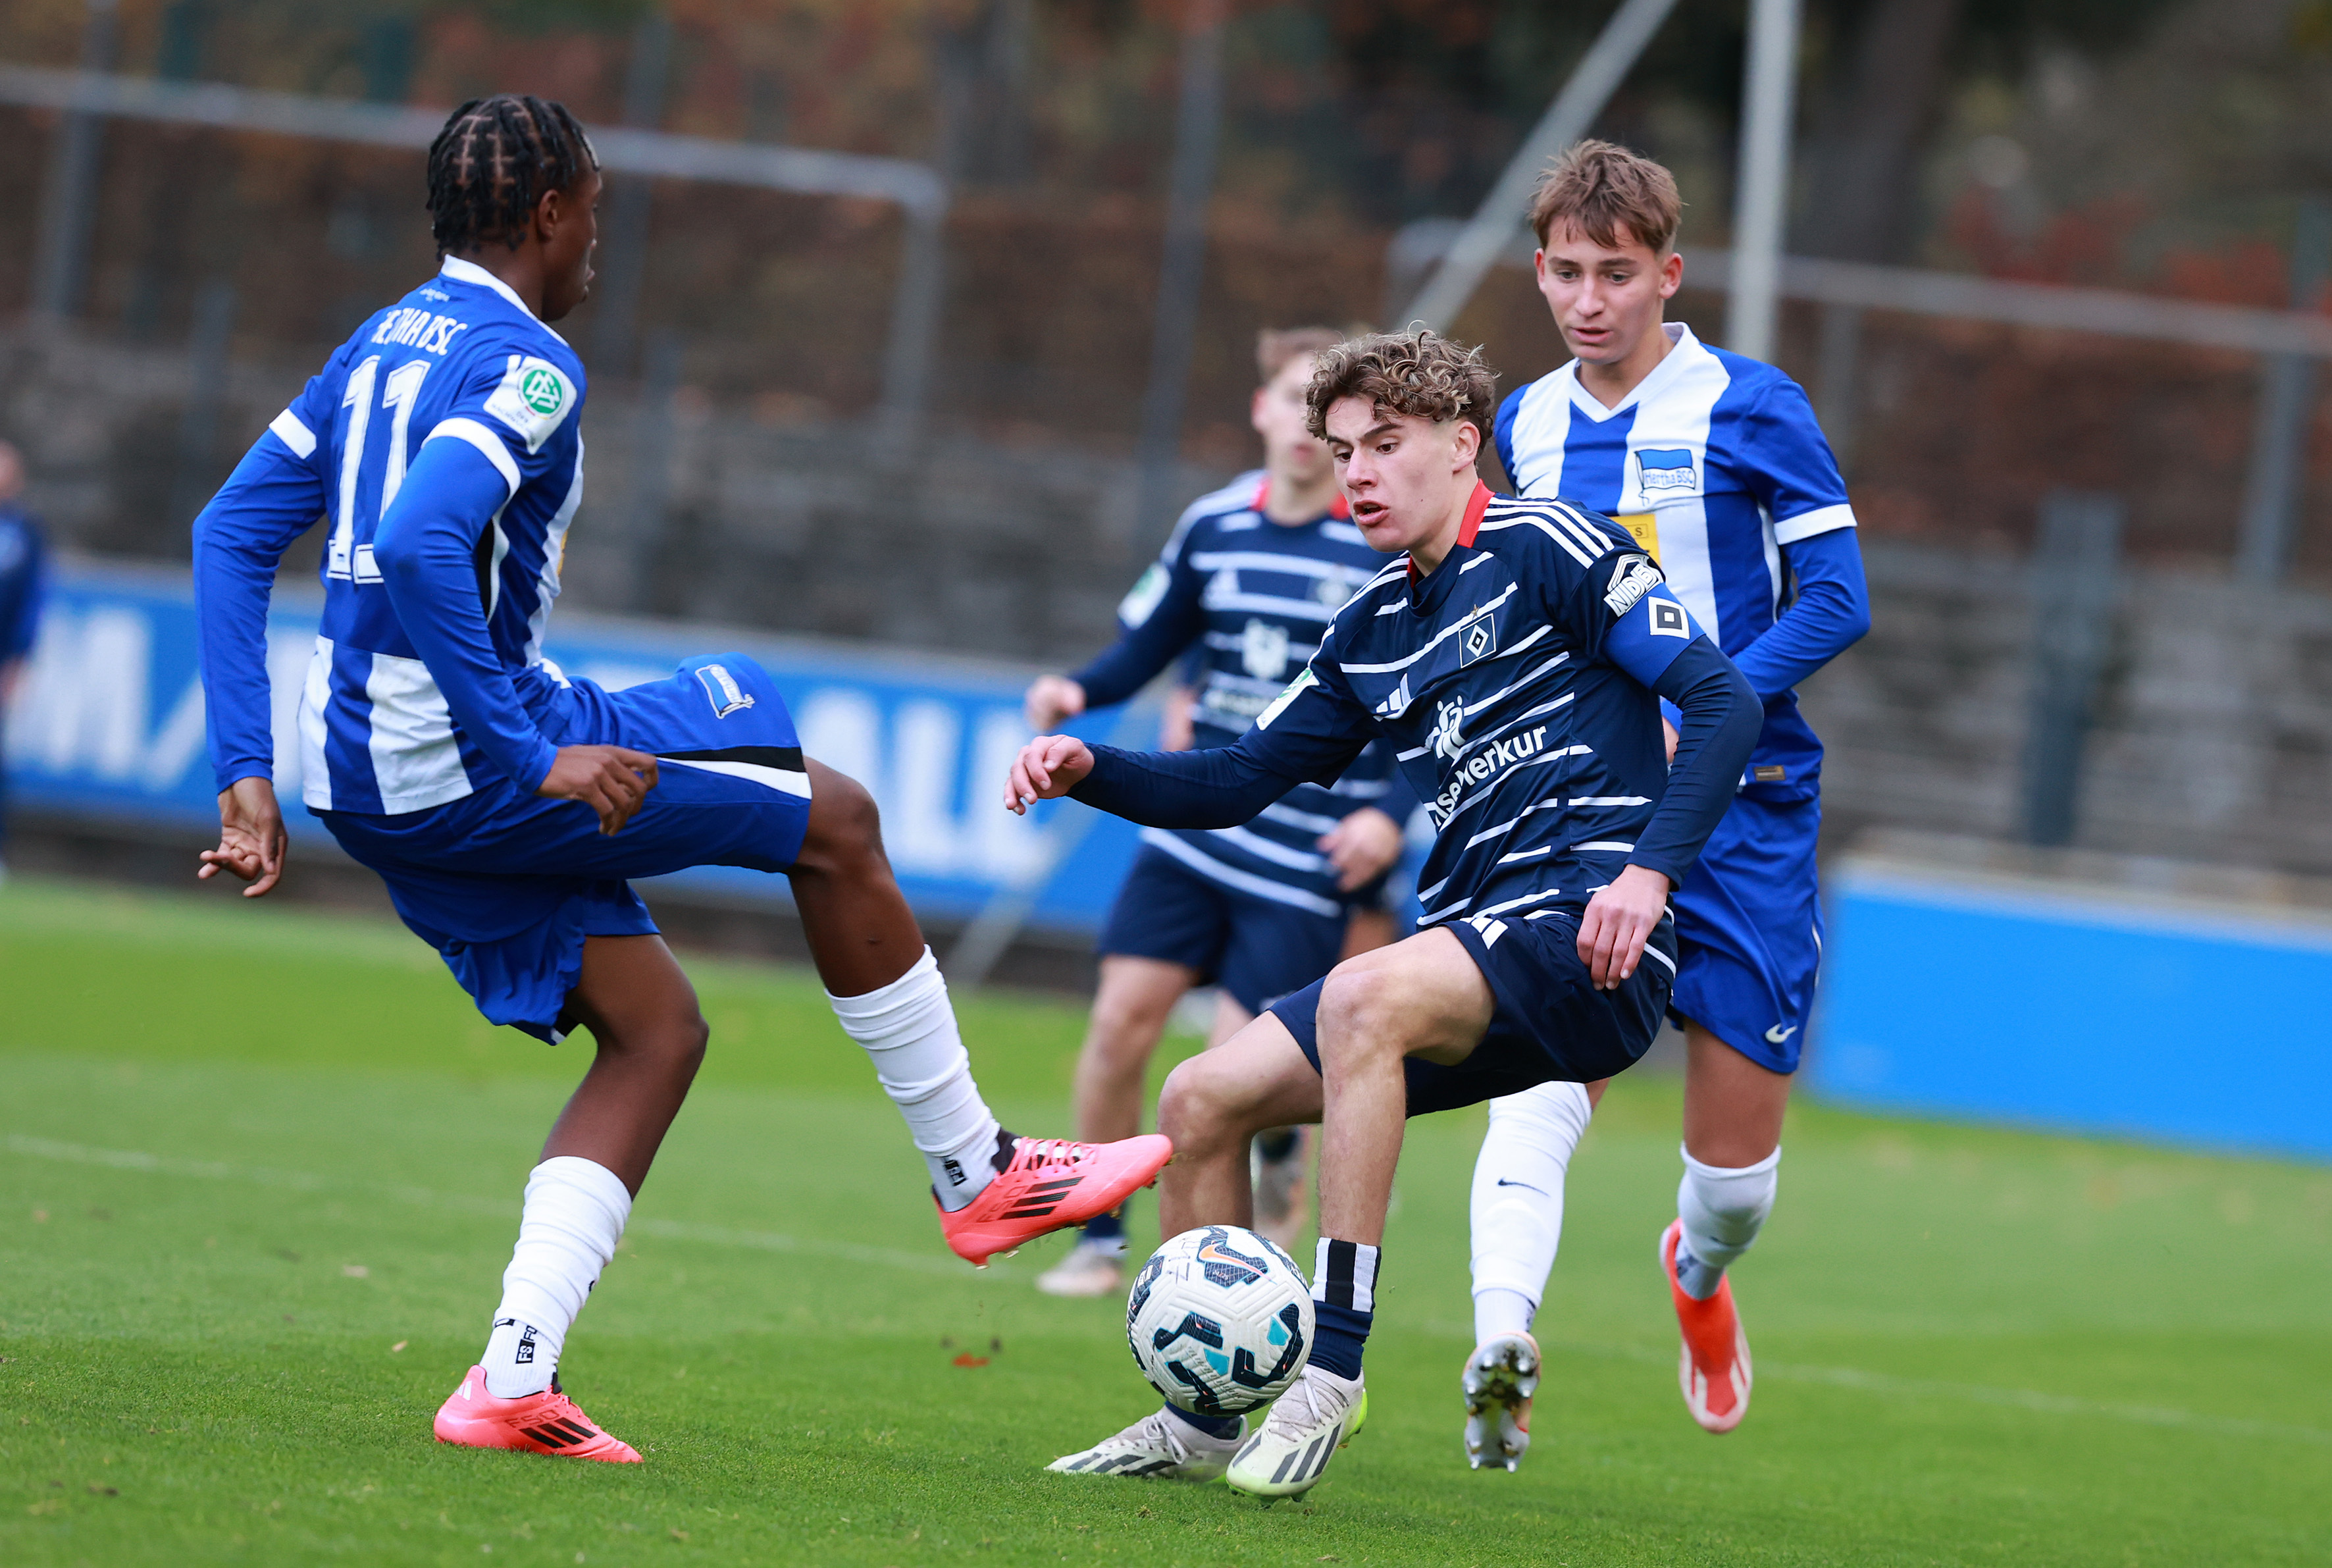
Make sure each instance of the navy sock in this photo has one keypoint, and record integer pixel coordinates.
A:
(1109, 1227)
(1344, 1305)
(1337, 1336)
(1223, 1427)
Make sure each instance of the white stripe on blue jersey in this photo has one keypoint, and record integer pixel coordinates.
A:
(1713, 463)
(1538, 757)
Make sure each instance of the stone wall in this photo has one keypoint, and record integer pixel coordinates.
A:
(2213, 730)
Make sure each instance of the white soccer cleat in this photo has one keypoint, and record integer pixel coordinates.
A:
(1091, 1268)
(1306, 1426)
(1155, 1445)
(1501, 1376)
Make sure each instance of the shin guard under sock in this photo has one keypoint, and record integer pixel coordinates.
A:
(574, 1217)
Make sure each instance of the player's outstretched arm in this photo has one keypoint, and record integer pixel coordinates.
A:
(1221, 787)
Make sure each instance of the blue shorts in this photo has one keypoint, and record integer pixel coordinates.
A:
(1256, 949)
(1749, 930)
(1551, 1024)
(506, 886)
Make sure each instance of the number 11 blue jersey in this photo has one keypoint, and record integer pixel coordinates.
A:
(460, 359)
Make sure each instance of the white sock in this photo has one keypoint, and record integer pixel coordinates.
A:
(1518, 1205)
(1722, 1210)
(1498, 1312)
(574, 1216)
(909, 1029)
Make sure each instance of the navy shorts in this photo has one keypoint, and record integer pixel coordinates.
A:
(1256, 949)
(506, 886)
(1551, 1024)
(1749, 930)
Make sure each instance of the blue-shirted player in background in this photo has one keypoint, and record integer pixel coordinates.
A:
(23, 576)
(1247, 583)
(1512, 659)
(1714, 463)
(506, 805)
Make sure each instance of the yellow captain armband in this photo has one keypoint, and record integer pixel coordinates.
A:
(1645, 528)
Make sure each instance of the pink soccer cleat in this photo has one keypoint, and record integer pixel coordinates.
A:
(1051, 1184)
(543, 1423)
(1714, 1369)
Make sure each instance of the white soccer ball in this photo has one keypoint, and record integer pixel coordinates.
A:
(1220, 1320)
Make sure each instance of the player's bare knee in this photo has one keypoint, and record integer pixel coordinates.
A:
(1201, 1110)
(1361, 1008)
(845, 827)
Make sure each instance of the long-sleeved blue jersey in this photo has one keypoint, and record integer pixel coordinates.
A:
(1248, 598)
(1716, 465)
(441, 444)
(1516, 681)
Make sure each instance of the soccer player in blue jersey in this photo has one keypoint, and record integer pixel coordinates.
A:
(1514, 657)
(1715, 465)
(1245, 586)
(506, 805)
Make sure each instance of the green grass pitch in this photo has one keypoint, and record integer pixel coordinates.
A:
(260, 1169)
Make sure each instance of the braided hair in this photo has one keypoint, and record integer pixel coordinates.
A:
(493, 161)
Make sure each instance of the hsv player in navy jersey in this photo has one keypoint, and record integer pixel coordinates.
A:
(506, 805)
(1715, 465)
(1513, 655)
(1243, 589)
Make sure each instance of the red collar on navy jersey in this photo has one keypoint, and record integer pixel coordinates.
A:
(1476, 505)
(1340, 509)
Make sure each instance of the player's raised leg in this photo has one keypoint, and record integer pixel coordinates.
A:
(649, 1039)
(1516, 1225)
(1424, 998)
(995, 1190)
(1258, 1078)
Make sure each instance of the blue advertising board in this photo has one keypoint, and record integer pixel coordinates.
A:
(109, 724)
(2088, 1010)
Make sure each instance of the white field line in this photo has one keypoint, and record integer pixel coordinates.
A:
(499, 1207)
(1892, 1387)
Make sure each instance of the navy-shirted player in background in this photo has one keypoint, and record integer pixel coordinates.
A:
(24, 576)
(506, 805)
(1512, 658)
(1714, 463)
(1245, 586)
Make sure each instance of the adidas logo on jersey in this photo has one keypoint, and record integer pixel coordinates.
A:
(1396, 702)
(1495, 758)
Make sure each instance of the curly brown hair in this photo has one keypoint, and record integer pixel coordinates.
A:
(1421, 374)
